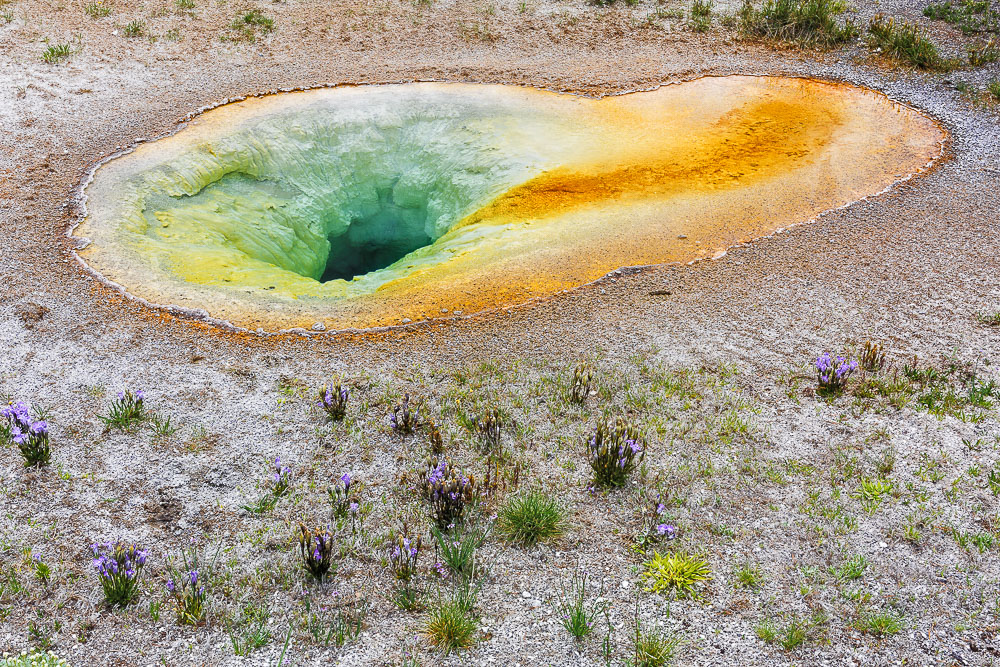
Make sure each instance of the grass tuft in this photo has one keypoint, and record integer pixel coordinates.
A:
(880, 623)
(451, 625)
(56, 53)
(749, 576)
(904, 42)
(810, 22)
(531, 518)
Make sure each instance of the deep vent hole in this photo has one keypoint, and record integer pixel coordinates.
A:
(377, 239)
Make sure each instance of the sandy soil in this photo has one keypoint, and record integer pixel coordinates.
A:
(911, 268)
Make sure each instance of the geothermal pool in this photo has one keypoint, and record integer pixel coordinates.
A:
(367, 206)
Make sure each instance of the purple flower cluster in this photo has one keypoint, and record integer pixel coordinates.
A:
(127, 409)
(190, 597)
(403, 419)
(833, 372)
(403, 557)
(613, 452)
(30, 435)
(316, 548)
(333, 400)
(118, 566)
(281, 478)
(449, 493)
(342, 500)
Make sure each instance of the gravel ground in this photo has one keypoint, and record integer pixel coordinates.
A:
(758, 469)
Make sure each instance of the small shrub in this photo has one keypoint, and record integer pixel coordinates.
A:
(135, 28)
(880, 623)
(903, 41)
(404, 420)
(994, 88)
(451, 625)
(811, 22)
(678, 573)
(531, 518)
(991, 320)
(575, 614)
(449, 493)
(832, 373)
(613, 452)
(127, 410)
(31, 435)
(582, 379)
(184, 5)
(316, 549)
(97, 10)
(119, 569)
(55, 53)
(333, 401)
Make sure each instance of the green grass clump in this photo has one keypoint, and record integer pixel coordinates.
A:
(904, 42)
(677, 573)
(853, 568)
(576, 613)
(96, 10)
(451, 625)
(701, 15)
(969, 16)
(811, 22)
(127, 411)
(248, 26)
(871, 493)
(880, 623)
(994, 88)
(749, 576)
(55, 53)
(652, 648)
(33, 659)
(135, 28)
(790, 636)
(531, 518)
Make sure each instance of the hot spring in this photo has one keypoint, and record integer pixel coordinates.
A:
(367, 206)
